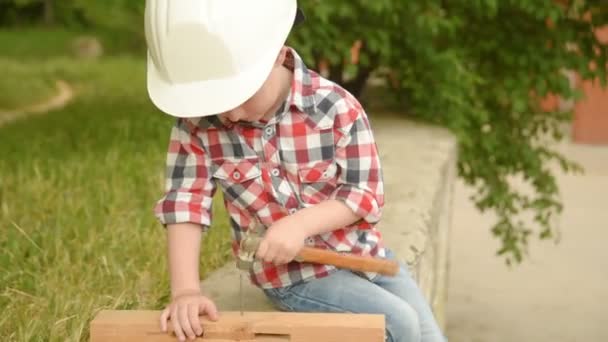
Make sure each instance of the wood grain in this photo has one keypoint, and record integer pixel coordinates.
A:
(141, 325)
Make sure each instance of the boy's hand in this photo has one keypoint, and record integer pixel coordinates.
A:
(282, 242)
(184, 311)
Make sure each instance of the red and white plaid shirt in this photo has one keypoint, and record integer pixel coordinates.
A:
(318, 146)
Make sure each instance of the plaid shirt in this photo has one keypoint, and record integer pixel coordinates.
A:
(318, 146)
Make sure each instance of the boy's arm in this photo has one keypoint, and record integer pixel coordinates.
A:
(184, 240)
(185, 210)
(359, 194)
(324, 217)
(360, 185)
(358, 197)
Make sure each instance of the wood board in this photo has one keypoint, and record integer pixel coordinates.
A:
(142, 325)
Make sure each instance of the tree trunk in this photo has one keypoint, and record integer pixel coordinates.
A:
(356, 85)
(336, 72)
(49, 12)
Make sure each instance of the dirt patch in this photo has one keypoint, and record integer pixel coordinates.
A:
(64, 95)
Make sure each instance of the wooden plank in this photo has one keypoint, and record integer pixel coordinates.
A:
(141, 325)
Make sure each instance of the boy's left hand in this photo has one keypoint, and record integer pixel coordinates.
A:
(282, 242)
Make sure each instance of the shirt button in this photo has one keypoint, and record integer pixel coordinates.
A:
(275, 172)
(236, 175)
(269, 131)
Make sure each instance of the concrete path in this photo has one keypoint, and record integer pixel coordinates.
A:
(560, 293)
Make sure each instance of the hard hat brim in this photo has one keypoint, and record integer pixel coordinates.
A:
(212, 97)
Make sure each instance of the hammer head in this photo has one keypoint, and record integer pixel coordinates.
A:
(246, 255)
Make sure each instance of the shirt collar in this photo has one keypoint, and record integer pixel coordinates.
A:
(302, 94)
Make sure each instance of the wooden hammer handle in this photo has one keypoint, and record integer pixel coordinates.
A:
(348, 261)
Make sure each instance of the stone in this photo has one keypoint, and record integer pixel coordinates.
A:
(87, 47)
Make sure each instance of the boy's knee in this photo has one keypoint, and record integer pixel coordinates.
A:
(402, 324)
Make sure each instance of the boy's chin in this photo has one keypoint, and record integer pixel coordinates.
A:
(252, 119)
(249, 120)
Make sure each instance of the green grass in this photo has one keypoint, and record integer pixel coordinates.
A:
(35, 43)
(23, 83)
(27, 53)
(77, 188)
(41, 43)
(24, 65)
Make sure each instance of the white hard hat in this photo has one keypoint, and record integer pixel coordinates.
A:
(206, 57)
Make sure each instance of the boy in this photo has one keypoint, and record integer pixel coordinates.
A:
(287, 148)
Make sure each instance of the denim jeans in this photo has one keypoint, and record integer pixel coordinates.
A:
(407, 314)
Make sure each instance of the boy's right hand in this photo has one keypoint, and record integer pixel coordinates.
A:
(184, 311)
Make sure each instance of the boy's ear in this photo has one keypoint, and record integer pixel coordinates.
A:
(282, 56)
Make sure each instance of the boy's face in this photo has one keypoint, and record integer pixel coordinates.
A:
(254, 109)
(260, 105)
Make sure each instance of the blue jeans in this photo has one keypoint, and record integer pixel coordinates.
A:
(408, 316)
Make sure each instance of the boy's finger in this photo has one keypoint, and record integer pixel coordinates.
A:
(291, 256)
(211, 310)
(278, 256)
(177, 329)
(271, 254)
(281, 256)
(163, 320)
(195, 322)
(185, 321)
(283, 260)
(262, 249)
(286, 256)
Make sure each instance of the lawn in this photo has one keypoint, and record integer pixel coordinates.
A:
(22, 84)
(77, 188)
(27, 56)
(35, 43)
(24, 65)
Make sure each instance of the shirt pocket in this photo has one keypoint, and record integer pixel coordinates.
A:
(317, 180)
(239, 179)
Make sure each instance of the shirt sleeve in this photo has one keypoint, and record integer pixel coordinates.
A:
(188, 184)
(360, 184)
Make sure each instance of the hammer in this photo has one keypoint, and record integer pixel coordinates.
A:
(250, 244)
